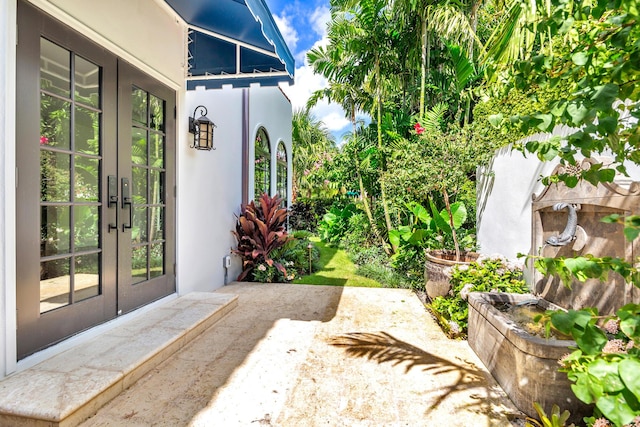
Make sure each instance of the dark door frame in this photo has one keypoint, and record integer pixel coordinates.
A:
(35, 330)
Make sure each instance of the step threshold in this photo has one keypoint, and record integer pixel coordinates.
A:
(70, 387)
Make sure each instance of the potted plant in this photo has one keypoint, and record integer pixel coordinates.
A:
(440, 260)
(450, 158)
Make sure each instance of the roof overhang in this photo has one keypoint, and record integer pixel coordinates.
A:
(233, 42)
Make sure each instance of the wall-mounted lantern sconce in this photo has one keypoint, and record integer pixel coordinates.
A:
(202, 130)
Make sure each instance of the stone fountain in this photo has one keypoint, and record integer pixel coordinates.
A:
(565, 222)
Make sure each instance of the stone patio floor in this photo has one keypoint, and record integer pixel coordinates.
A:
(299, 355)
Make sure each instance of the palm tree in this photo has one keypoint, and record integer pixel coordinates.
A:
(311, 140)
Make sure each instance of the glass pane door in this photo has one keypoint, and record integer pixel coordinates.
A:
(146, 246)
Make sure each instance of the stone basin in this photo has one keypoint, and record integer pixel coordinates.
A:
(525, 366)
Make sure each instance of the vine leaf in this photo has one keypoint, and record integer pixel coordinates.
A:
(628, 370)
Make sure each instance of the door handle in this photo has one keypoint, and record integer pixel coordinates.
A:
(112, 199)
(126, 201)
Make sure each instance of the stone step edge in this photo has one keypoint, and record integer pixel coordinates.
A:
(224, 303)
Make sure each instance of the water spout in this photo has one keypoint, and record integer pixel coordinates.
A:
(569, 232)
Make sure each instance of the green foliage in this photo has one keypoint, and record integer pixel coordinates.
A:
(491, 127)
(556, 419)
(302, 234)
(334, 223)
(358, 235)
(370, 255)
(409, 261)
(604, 367)
(260, 229)
(302, 216)
(593, 48)
(596, 54)
(484, 275)
(298, 255)
(430, 229)
(313, 148)
(384, 274)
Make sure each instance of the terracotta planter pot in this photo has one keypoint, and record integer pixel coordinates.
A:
(437, 270)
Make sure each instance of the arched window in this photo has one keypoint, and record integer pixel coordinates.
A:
(262, 165)
(281, 173)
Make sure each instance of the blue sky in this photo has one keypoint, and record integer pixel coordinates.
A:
(303, 26)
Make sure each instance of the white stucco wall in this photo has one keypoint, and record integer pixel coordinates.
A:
(209, 193)
(210, 182)
(505, 190)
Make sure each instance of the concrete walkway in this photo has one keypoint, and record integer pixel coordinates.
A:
(297, 355)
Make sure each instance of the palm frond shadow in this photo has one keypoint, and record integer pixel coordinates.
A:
(382, 347)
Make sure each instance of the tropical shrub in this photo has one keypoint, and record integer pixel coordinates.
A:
(260, 229)
(294, 255)
(408, 261)
(302, 234)
(369, 255)
(335, 223)
(358, 234)
(493, 274)
(555, 419)
(302, 216)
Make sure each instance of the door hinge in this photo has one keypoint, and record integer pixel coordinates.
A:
(175, 269)
(175, 112)
(175, 191)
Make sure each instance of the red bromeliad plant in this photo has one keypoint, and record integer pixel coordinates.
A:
(259, 230)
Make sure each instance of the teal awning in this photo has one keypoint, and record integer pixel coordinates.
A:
(233, 42)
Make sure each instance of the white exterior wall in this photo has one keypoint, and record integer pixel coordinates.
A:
(210, 182)
(209, 193)
(504, 196)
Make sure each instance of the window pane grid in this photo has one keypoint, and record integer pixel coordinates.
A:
(70, 163)
(147, 158)
(262, 164)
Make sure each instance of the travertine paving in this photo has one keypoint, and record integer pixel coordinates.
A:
(296, 355)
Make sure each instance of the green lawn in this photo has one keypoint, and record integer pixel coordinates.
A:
(336, 269)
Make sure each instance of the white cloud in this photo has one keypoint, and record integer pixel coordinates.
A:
(307, 82)
(287, 30)
(319, 19)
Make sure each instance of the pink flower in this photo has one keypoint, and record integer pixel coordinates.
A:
(418, 128)
(611, 326)
(615, 346)
(326, 182)
(601, 422)
(306, 172)
(44, 140)
(261, 267)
